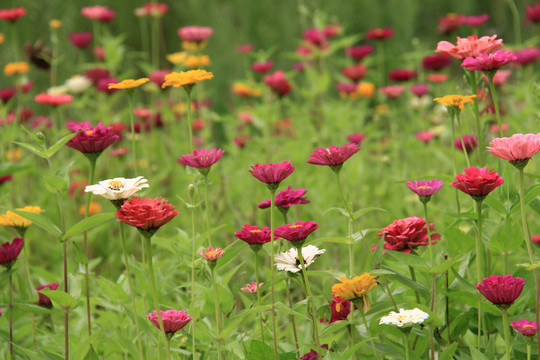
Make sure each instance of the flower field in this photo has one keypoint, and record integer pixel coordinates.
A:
(200, 184)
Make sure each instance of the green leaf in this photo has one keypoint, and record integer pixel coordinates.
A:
(350, 351)
(33, 148)
(88, 223)
(442, 267)
(414, 261)
(39, 140)
(12, 168)
(364, 211)
(529, 267)
(496, 205)
(448, 352)
(260, 351)
(91, 354)
(34, 309)
(55, 184)
(80, 256)
(530, 194)
(41, 221)
(57, 145)
(476, 354)
(61, 299)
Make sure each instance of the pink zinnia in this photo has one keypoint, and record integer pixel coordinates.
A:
(533, 12)
(10, 252)
(358, 53)
(346, 88)
(517, 149)
(252, 288)
(419, 89)
(473, 20)
(436, 62)
(158, 76)
(100, 13)
(470, 46)
(45, 301)
(286, 198)
(525, 327)
(172, 320)
(12, 15)
(379, 34)
(155, 9)
(424, 189)
(392, 91)
(488, 62)
(195, 33)
(296, 233)
(356, 138)
(6, 94)
(262, 67)
(53, 99)
(80, 39)
(146, 214)
(527, 56)
(501, 290)
(315, 37)
(245, 48)
(92, 140)
(468, 140)
(354, 72)
(499, 78)
(425, 136)
(407, 234)
(477, 183)
(334, 156)
(272, 174)
(278, 83)
(202, 159)
(252, 235)
(212, 254)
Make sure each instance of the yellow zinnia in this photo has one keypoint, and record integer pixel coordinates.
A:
(186, 78)
(455, 101)
(194, 61)
(129, 84)
(18, 222)
(355, 289)
(178, 58)
(16, 68)
(55, 24)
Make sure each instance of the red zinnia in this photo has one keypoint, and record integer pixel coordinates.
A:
(354, 72)
(92, 140)
(98, 12)
(6, 94)
(501, 290)
(12, 15)
(379, 34)
(80, 39)
(407, 234)
(296, 233)
(253, 235)
(286, 198)
(202, 159)
(278, 83)
(272, 174)
(473, 21)
(436, 62)
(533, 12)
(45, 301)
(334, 156)
(468, 140)
(262, 67)
(146, 214)
(400, 75)
(356, 138)
(172, 320)
(10, 252)
(340, 309)
(53, 99)
(155, 9)
(359, 52)
(477, 183)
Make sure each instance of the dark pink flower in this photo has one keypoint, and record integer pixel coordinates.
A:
(45, 301)
(286, 198)
(471, 46)
(525, 327)
(527, 56)
(419, 89)
(340, 309)
(315, 37)
(158, 77)
(252, 235)
(245, 48)
(468, 140)
(5, 178)
(311, 355)
(80, 39)
(297, 232)
(407, 234)
(346, 87)
(358, 53)
(272, 174)
(146, 214)
(499, 78)
(202, 159)
(10, 252)
(473, 21)
(278, 82)
(356, 138)
(91, 140)
(535, 239)
(6, 94)
(95, 74)
(488, 62)
(334, 156)
(501, 290)
(477, 183)
(448, 23)
(379, 34)
(172, 320)
(401, 75)
(262, 67)
(53, 99)
(436, 62)
(103, 85)
(533, 12)
(99, 13)
(195, 33)
(355, 72)
(424, 187)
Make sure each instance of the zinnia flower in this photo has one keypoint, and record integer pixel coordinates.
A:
(19, 223)
(533, 12)
(379, 34)
(355, 72)
(501, 290)
(16, 68)
(98, 12)
(470, 46)
(455, 102)
(252, 288)
(517, 149)
(488, 62)
(356, 138)
(334, 156)
(436, 62)
(469, 141)
(407, 234)
(53, 99)
(355, 289)
(12, 15)
(296, 233)
(92, 141)
(154, 9)
(45, 301)
(392, 91)
(172, 320)
(80, 40)
(404, 318)
(419, 89)
(401, 75)
(272, 174)
(10, 252)
(424, 189)
(212, 254)
(118, 189)
(202, 159)
(339, 308)
(253, 235)
(358, 53)
(262, 67)
(128, 84)
(477, 183)
(146, 214)
(525, 327)
(425, 136)
(278, 83)
(186, 78)
(195, 33)
(286, 198)
(290, 262)
(473, 21)
(527, 56)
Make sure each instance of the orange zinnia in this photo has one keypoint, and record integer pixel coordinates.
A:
(356, 288)
(455, 101)
(16, 68)
(186, 78)
(128, 84)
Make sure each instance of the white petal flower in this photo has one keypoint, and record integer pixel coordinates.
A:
(118, 188)
(78, 84)
(289, 261)
(404, 318)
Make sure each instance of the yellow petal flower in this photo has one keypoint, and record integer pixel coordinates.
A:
(186, 78)
(129, 84)
(455, 101)
(178, 58)
(16, 68)
(357, 287)
(55, 23)
(16, 221)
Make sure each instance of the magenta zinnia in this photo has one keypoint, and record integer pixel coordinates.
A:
(488, 62)
(253, 235)
(334, 156)
(172, 320)
(272, 174)
(525, 327)
(407, 234)
(501, 290)
(146, 214)
(10, 252)
(477, 183)
(45, 301)
(286, 198)
(92, 140)
(296, 233)
(202, 160)
(517, 149)
(424, 189)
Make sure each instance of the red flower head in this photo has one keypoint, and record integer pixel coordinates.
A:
(315, 37)
(379, 34)
(501, 290)
(340, 309)
(5, 178)
(527, 56)
(102, 85)
(296, 233)
(92, 140)
(172, 320)
(272, 174)
(44, 300)
(358, 53)
(525, 327)
(252, 288)
(407, 234)
(99, 13)
(195, 33)
(155, 9)
(97, 74)
(401, 75)
(468, 140)
(245, 48)
(262, 67)
(202, 159)
(517, 149)
(488, 62)
(533, 12)
(356, 138)
(146, 214)
(253, 235)
(278, 83)
(10, 252)
(6, 94)
(53, 99)
(477, 183)
(286, 198)
(436, 62)
(347, 88)
(449, 23)
(354, 72)
(12, 15)
(80, 40)
(334, 156)
(474, 21)
(470, 46)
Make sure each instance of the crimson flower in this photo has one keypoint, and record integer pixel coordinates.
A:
(517, 149)
(379, 34)
(146, 214)
(340, 309)
(334, 156)
(278, 83)
(272, 174)
(45, 301)
(195, 33)
(12, 15)
(501, 290)
(286, 198)
(356, 138)
(424, 189)
(527, 56)
(6, 94)
(53, 99)
(533, 12)
(10, 252)
(474, 21)
(91, 141)
(80, 40)
(347, 88)
(202, 159)
(477, 183)
(172, 320)
(98, 12)
(296, 233)
(252, 235)
(436, 62)
(401, 75)
(525, 327)
(407, 234)
(358, 53)
(262, 67)
(488, 62)
(315, 37)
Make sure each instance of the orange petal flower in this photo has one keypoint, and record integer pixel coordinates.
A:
(129, 84)
(355, 288)
(455, 101)
(186, 78)
(16, 68)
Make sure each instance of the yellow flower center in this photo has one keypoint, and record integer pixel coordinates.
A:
(338, 307)
(296, 226)
(255, 231)
(89, 132)
(116, 184)
(527, 326)
(423, 187)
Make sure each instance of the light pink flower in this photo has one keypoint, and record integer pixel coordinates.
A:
(172, 320)
(392, 91)
(516, 148)
(470, 46)
(252, 288)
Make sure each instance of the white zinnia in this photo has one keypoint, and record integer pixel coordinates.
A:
(78, 84)
(118, 188)
(404, 318)
(289, 261)
(57, 90)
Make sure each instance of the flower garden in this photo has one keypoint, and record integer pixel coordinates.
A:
(359, 195)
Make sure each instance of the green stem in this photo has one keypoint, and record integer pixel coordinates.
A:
(517, 22)
(258, 292)
(433, 282)
(10, 274)
(413, 278)
(131, 292)
(406, 335)
(528, 351)
(155, 43)
(218, 313)
(154, 293)
(132, 122)
(453, 127)
(528, 242)
(188, 117)
(193, 246)
(293, 322)
(506, 333)
(361, 307)
(311, 302)
(206, 206)
(464, 149)
(479, 254)
(495, 102)
(479, 130)
(92, 160)
(273, 301)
